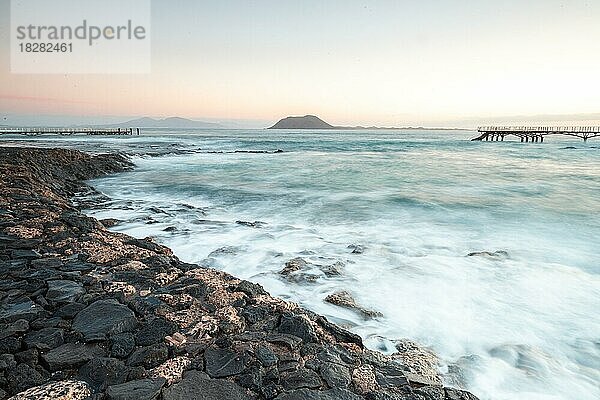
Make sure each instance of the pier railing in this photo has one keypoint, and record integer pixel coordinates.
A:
(34, 131)
(535, 133)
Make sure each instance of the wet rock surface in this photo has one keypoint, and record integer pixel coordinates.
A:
(344, 299)
(88, 312)
(492, 255)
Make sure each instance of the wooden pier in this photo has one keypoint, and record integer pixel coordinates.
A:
(69, 131)
(535, 133)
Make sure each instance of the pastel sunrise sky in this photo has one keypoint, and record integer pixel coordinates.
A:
(350, 62)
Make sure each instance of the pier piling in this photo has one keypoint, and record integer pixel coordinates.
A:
(535, 134)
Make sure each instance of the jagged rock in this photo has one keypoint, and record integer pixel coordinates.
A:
(7, 361)
(63, 291)
(110, 222)
(297, 325)
(335, 354)
(23, 377)
(335, 269)
(357, 248)
(63, 390)
(102, 371)
(45, 339)
(288, 362)
(455, 394)
(494, 255)
(335, 375)
(154, 331)
(78, 266)
(390, 375)
(29, 357)
(146, 244)
(198, 386)
(149, 357)
(344, 299)
(147, 389)
(431, 392)
(79, 223)
(331, 394)
(224, 250)
(50, 262)
(10, 344)
(122, 344)
(339, 333)
(420, 362)
(290, 341)
(70, 310)
(251, 289)
(26, 310)
(42, 323)
(266, 356)
(15, 328)
(255, 224)
(293, 265)
(223, 362)
(104, 317)
(293, 271)
(71, 356)
(253, 314)
(302, 378)
(27, 254)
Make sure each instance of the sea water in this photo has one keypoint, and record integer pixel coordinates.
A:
(519, 321)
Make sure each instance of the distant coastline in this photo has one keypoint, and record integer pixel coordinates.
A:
(314, 122)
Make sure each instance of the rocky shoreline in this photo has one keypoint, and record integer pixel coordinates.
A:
(89, 313)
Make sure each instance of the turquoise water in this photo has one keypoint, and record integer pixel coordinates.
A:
(523, 324)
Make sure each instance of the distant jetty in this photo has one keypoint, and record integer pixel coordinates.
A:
(535, 133)
(70, 131)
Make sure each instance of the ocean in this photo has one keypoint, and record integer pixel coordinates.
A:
(397, 213)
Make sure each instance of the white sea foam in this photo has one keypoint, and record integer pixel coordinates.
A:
(517, 325)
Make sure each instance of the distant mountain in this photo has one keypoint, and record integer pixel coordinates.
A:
(306, 122)
(171, 122)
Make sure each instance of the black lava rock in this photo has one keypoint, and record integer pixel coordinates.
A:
(45, 339)
(250, 289)
(149, 357)
(302, 378)
(121, 344)
(297, 325)
(331, 394)
(196, 385)
(266, 356)
(223, 362)
(23, 377)
(70, 356)
(147, 389)
(63, 291)
(101, 372)
(154, 332)
(102, 318)
(335, 375)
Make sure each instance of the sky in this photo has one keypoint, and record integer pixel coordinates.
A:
(385, 63)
